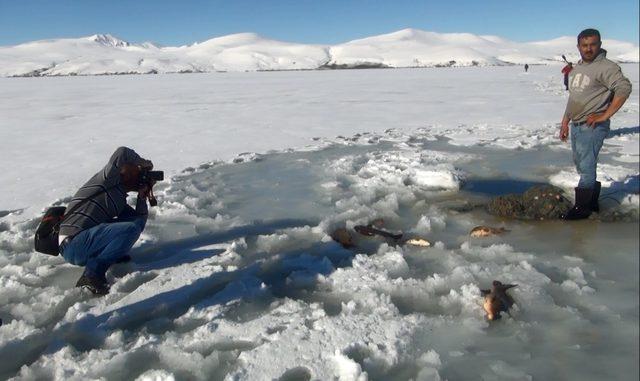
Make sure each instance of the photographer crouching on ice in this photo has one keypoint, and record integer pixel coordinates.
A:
(99, 227)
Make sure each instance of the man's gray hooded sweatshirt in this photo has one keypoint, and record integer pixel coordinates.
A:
(107, 205)
(592, 86)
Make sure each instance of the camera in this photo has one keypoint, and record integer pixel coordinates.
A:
(149, 178)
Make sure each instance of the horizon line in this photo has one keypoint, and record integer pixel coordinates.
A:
(67, 37)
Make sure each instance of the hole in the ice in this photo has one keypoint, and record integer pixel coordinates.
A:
(299, 373)
(497, 187)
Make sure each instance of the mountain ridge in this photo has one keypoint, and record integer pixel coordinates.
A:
(101, 54)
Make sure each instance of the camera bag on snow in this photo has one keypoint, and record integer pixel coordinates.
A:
(48, 231)
(46, 239)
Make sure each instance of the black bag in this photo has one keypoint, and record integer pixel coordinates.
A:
(47, 233)
(46, 239)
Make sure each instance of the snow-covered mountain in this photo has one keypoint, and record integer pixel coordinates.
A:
(105, 54)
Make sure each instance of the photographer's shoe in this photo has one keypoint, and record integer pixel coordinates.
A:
(93, 284)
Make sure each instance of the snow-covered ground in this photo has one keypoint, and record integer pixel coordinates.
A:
(106, 54)
(236, 276)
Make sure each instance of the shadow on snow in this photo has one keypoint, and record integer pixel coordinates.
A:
(267, 277)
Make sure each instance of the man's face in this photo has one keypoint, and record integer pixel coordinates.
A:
(589, 48)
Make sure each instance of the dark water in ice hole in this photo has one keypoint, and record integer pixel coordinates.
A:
(290, 182)
(288, 185)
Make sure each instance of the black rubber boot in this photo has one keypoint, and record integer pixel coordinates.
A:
(582, 207)
(95, 285)
(595, 196)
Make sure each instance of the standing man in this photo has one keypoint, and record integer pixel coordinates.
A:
(101, 228)
(597, 90)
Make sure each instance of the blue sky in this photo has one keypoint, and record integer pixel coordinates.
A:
(310, 21)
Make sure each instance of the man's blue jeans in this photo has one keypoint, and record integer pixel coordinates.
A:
(586, 142)
(101, 246)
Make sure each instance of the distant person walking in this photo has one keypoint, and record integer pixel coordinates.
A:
(565, 71)
(597, 90)
(526, 68)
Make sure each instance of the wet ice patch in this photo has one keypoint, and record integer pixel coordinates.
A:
(400, 169)
(576, 282)
(509, 137)
(428, 365)
(435, 179)
(156, 375)
(191, 204)
(289, 239)
(500, 370)
(378, 184)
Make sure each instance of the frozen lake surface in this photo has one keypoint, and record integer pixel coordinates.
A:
(236, 276)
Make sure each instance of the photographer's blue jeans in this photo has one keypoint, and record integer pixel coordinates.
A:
(586, 142)
(101, 246)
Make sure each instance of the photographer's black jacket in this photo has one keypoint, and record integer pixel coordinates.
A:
(107, 205)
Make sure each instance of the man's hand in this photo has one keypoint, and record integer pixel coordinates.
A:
(594, 119)
(614, 106)
(144, 191)
(564, 130)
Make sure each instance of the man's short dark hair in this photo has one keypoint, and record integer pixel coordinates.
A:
(589, 33)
